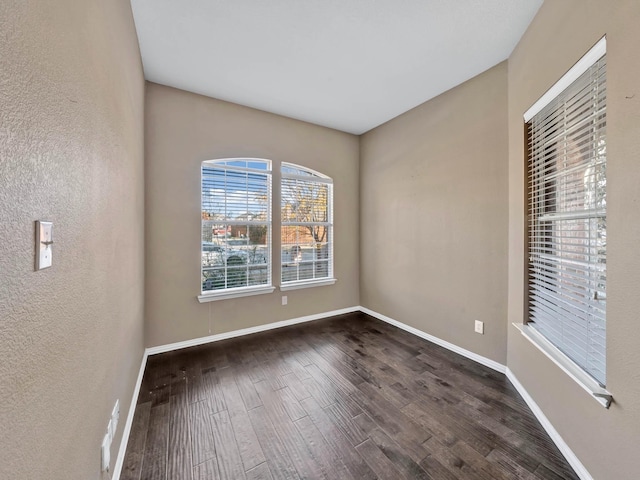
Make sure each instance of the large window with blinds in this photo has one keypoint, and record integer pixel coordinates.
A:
(307, 226)
(567, 207)
(236, 226)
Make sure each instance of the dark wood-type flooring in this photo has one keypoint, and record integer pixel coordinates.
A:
(346, 397)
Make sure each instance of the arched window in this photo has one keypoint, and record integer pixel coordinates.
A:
(236, 227)
(306, 227)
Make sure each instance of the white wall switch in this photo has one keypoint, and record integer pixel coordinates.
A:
(44, 244)
(284, 299)
(479, 327)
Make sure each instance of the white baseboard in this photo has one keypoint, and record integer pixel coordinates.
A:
(571, 457)
(127, 426)
(247, 331)
(487, 362)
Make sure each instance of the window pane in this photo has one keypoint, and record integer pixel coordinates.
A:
(290, 169)
(304, 201)
(258, 275)
(321, 270)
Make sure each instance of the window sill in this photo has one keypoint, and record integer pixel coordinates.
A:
(308, 284)
(225, 295)
(601, 395)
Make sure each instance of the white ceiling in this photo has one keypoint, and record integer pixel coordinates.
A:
(344, 64)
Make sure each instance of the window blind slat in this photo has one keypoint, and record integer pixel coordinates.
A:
(570, 304)
(579, 277)
(549, 119)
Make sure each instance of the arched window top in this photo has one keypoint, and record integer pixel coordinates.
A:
(293, 170)
(306, 227)
(240, 163)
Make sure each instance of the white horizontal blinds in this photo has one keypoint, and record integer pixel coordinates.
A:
(567, 221)
(236, 224)
(307, 225)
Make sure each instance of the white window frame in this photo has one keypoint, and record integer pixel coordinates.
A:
(236, 292)
(553, 352)
(313, 177)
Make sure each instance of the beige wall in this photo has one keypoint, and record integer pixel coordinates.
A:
(434, 215)
(71, 151)
(182, 130)
(606, 441)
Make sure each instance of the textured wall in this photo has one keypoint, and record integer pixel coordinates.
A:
(434, 215)
(71, 151)
(182, 130)
(606, 441)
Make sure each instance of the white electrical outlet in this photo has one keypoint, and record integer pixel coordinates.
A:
(106, 453)
(115, 416)
(479, 327)
(284, 299)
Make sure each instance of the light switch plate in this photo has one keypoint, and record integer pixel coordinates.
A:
(44, 244)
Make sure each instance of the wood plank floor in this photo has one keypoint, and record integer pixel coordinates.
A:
(348, 397)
